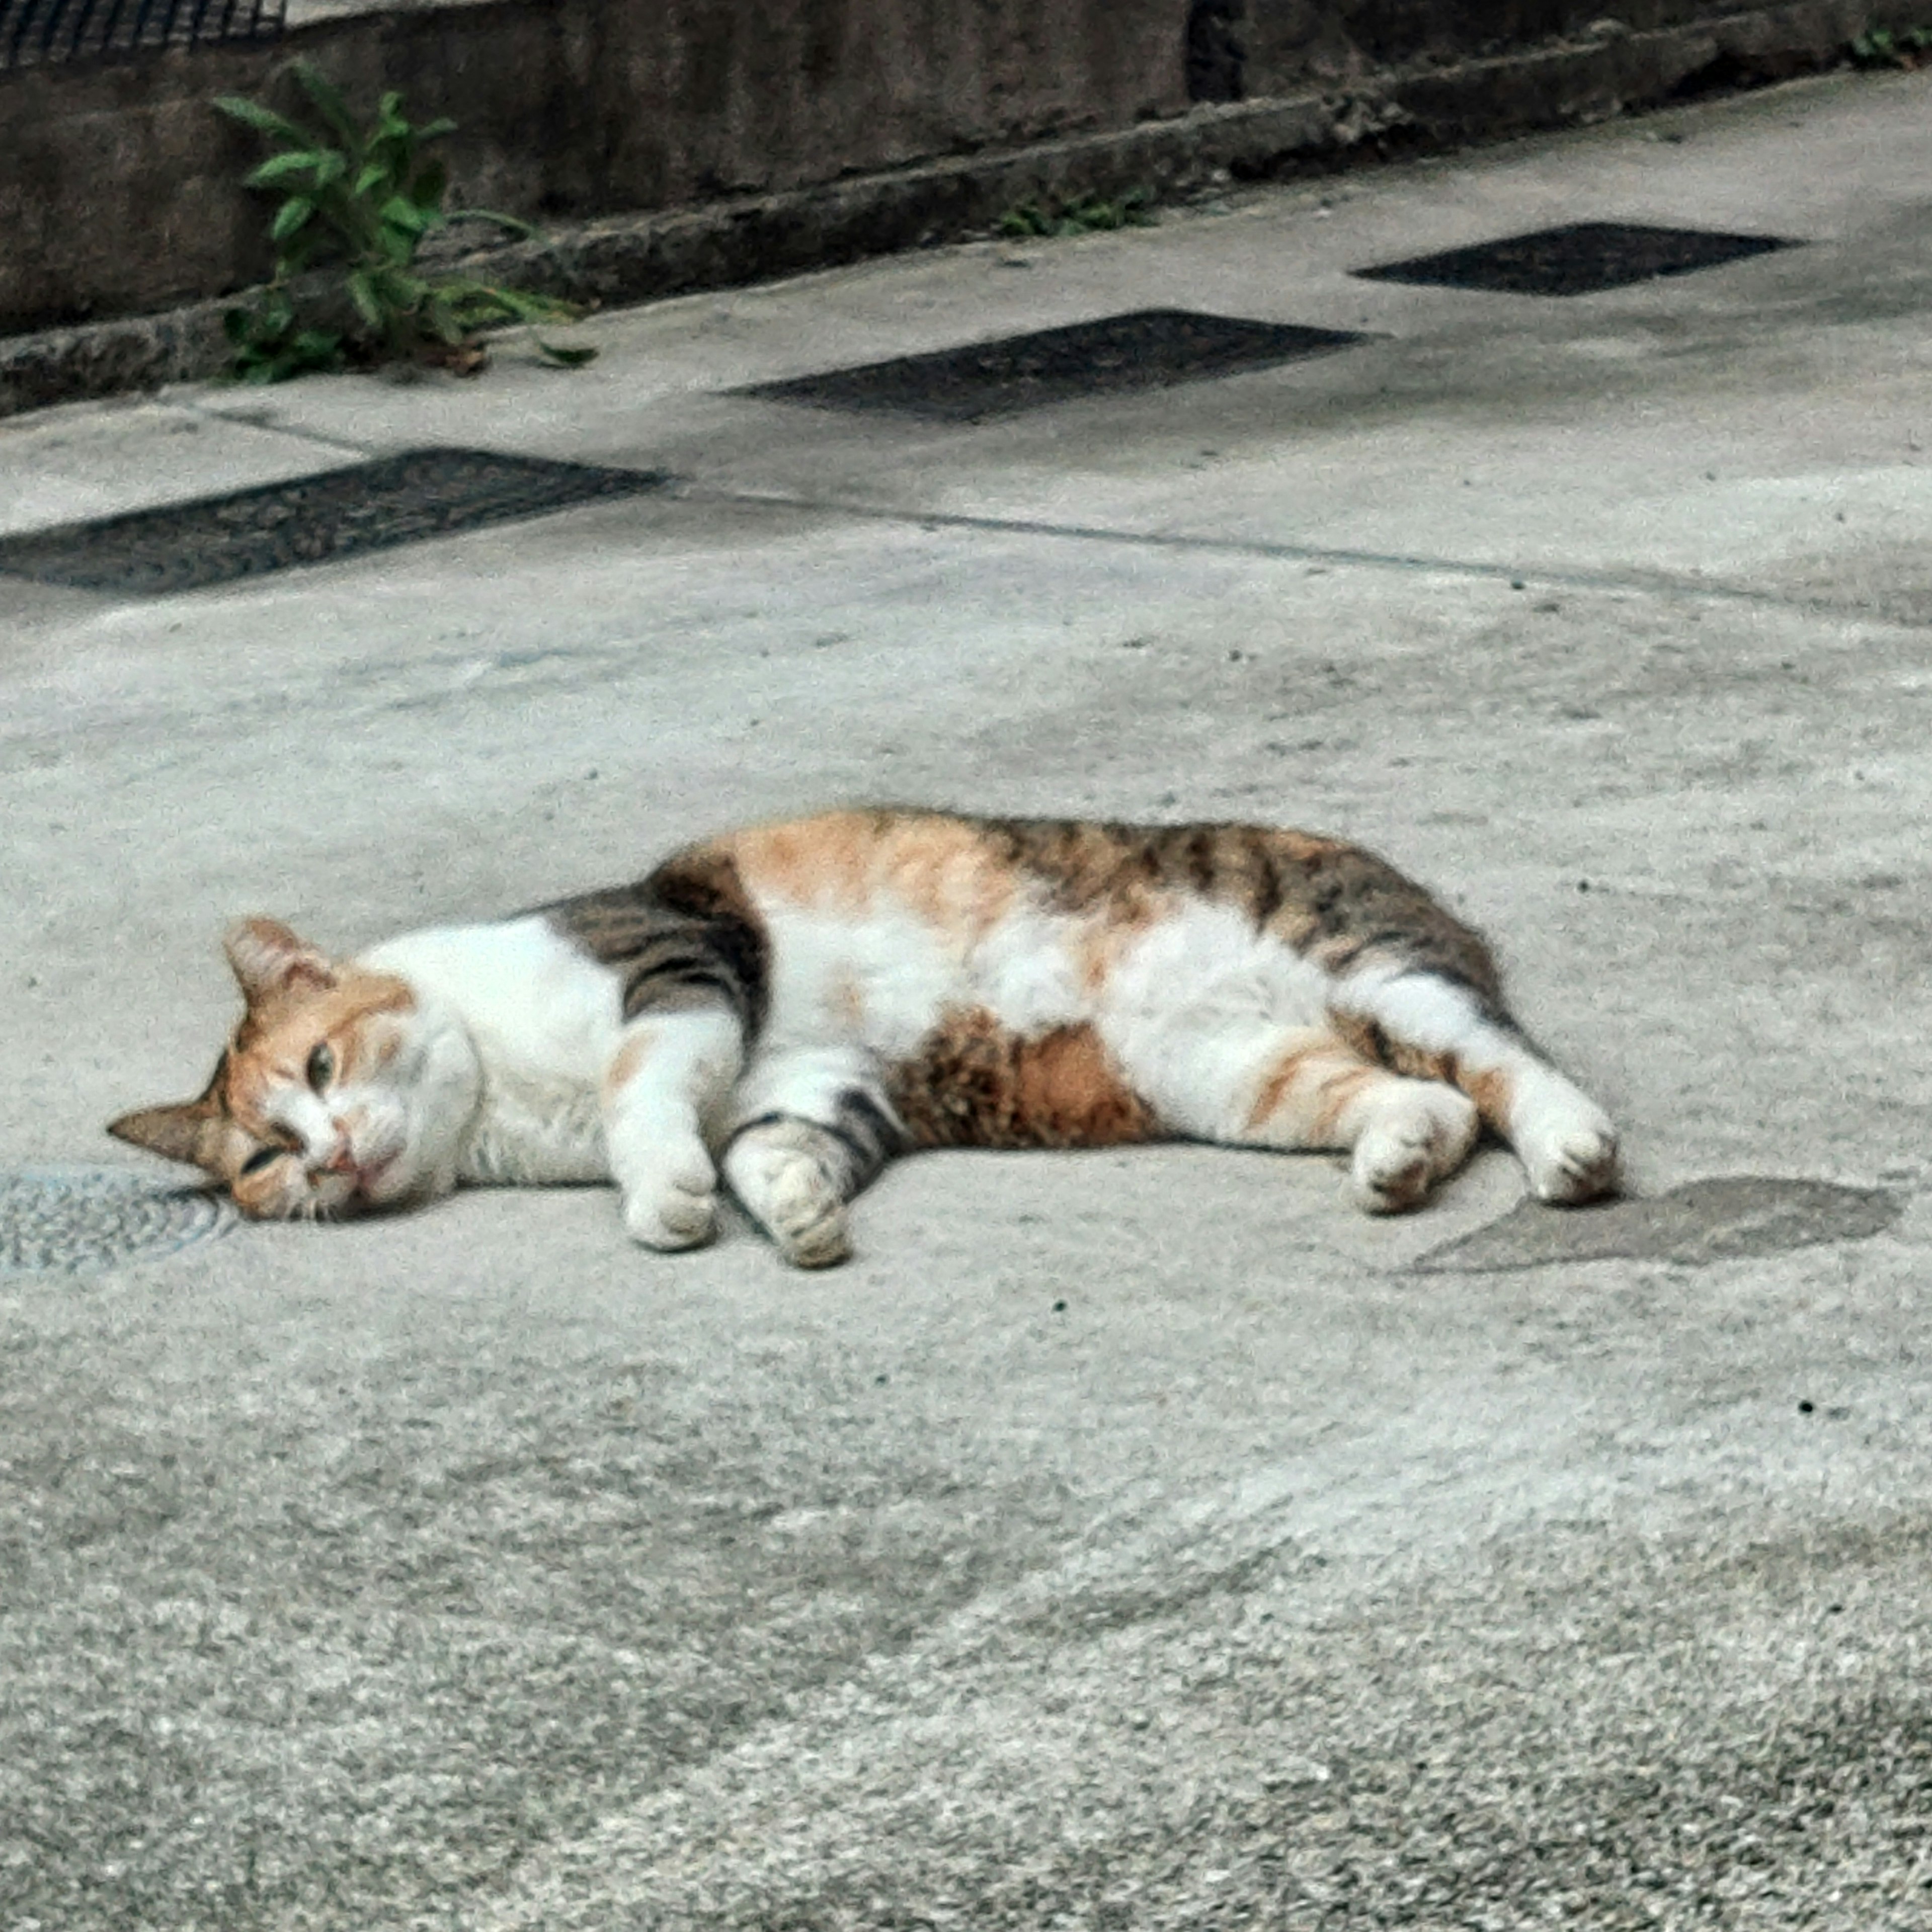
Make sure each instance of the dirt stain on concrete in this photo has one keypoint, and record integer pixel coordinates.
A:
(1730, 1217)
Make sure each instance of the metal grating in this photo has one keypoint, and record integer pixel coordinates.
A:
(318, 519)
(85, 1220)
(1579, 259)
(34, 33)
(1151, 348)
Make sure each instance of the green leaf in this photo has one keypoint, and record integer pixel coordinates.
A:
(512, 222)
(398, 246)
(311, 351)
(572, 355)
(317, 348)
(399, 211)
(372, 176)
(263, 120)
(329, 103)
(285, 165)
(442, 320)
(290, 216)
(435, 130)
(397, 290)
(488, 301)
(362, 293)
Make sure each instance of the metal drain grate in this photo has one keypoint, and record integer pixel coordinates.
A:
(34, 33)
(1739, 1217)
(1147, 348)
(1577, 260)
(318, 519)
(85, 1220)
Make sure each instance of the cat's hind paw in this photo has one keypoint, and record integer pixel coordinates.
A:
(1581, 1165)
(822, 1238)
(1421, 1133)
(1568, 1147)
(787, 1190)
(801, 1207)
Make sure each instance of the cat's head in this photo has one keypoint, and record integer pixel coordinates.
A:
(338, 1093)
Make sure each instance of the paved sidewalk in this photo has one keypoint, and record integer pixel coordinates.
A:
(1121, 1541)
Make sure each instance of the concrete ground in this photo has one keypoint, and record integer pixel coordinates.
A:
(1121, 1541)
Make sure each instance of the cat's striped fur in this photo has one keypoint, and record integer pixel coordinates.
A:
(798, 1003)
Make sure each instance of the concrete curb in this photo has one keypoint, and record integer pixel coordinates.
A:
(638, 258)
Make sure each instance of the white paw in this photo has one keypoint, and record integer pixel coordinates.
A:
(792, 1194)
(1573, 1160)
(1422, 1132)
(813, 1233)
(1564, 1140)
(671, 1201)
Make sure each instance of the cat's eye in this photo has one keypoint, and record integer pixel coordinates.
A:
(321, 1068)
(262, 1157)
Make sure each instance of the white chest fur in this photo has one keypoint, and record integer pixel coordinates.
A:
(545, 1021)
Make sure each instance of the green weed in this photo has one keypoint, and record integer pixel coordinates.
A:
(359, 201)
(1908, 47)
(1085, 214)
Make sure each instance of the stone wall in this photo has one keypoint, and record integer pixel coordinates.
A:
(1250, 49)
(117, 181)
(119, 191)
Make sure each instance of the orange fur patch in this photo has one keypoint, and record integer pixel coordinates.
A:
(1279, 1079)
(271, 1049)
(1319, 1078)
(625, 1062)
(975, 1083)
(942, 869)
(1335, 1093)
(1494, 1093)
(824, 862)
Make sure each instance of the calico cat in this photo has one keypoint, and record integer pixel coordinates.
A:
(797, 1003)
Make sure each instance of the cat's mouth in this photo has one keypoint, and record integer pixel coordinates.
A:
(369, 1177)
(352, 1183)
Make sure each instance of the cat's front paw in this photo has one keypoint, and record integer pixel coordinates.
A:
(673, 1203)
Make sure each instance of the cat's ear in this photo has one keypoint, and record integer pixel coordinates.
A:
(190, 1131)
(271, 963)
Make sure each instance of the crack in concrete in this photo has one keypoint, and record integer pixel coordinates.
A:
(1642, 583)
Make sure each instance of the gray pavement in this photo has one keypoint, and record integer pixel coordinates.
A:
(1121, 1541)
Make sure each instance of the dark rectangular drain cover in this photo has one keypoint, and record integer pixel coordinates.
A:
(1577, 259)
(339, 513)
(36, 31)
(1149, 348)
